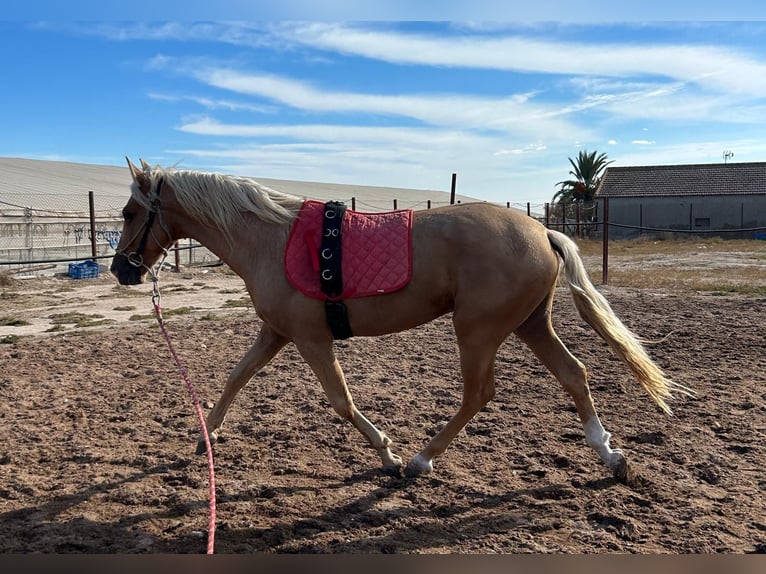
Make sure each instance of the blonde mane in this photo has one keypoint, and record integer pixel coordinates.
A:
(222, 200)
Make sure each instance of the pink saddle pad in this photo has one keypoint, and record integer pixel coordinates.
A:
(376, 251)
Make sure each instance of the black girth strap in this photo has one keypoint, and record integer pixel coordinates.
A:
(331, 271)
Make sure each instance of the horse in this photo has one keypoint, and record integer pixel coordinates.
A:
(493, 268)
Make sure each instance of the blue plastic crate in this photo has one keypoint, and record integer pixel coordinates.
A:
(83, 270)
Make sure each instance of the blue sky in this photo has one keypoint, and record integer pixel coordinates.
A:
(400, 103)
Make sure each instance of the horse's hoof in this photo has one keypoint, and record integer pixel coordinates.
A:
(626, 474)
(418, 466)
(202, 446)
(392, 463)
(392, 470)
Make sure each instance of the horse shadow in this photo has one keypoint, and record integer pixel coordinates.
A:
(410, 529)
(57, 526)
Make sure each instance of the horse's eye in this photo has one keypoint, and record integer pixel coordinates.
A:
(127, 215)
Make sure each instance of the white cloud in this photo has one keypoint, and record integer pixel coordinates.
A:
(493, 139)
(401, 157)
(211, 103)
(422, 136)
(719, 68)
(531, 148)
(515, 114)
(695, 151)
(624, 80)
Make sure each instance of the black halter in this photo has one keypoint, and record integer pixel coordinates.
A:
(136, 258)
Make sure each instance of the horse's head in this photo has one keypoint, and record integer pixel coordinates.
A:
(145, 235)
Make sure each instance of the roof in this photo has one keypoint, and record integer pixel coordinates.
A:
(693, 179)
(64, 186)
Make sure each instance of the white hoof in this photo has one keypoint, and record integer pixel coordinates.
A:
(598, 439)
(418, 466)
(615, 459)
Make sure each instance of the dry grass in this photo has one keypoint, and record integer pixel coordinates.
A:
(718, 281)
(654, 246)
(710, 265)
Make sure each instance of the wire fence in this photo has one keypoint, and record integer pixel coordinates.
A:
(41, 229)
(42, 233)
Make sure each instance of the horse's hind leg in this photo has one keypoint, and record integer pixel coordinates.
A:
(263, 350)
(477, 365)
(537, 332)
(321, 358)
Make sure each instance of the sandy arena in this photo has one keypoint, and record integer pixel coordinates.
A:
(98, 433)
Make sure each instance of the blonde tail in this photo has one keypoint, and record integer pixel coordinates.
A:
(596, 311)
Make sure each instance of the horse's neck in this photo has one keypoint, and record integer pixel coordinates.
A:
(253, 243)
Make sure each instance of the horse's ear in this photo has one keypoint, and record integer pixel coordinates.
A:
(141, 178)
(134, 171)
(144, 165)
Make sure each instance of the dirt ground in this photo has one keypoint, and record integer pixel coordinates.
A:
(97, 433)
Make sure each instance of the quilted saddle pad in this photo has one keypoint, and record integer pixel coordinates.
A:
(376, 251)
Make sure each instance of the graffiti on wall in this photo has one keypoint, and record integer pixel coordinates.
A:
(103, 234)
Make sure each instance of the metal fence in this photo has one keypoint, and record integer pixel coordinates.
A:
(43, 233)
(53, 228)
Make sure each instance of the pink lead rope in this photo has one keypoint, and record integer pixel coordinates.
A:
(198, 409)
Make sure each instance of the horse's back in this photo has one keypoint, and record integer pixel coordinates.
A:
(479, 221)
(478, 257)
(476, 236)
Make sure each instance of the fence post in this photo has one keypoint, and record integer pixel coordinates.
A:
(741, 220)
(428, 203)
(353, 204)
(177, 257)
(28, 239)
(691, 207)
(547, 215)
(577, 223)
(91, 208)
(605, 255)
(529, 210)
(563, 217)
(452, 190)
(394, 204)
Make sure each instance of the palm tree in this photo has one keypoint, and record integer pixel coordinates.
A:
(587, 170)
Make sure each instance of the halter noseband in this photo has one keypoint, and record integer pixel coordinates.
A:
(136, 258)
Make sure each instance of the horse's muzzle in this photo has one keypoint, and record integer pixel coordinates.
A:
(125, 272)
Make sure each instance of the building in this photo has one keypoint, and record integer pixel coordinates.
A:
(708, 199)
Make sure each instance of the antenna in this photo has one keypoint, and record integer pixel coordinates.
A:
(727, 154)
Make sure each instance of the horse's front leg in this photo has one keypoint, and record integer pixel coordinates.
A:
(321, 359)
(266, 346)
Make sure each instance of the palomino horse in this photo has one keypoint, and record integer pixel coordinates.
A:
(494, 268)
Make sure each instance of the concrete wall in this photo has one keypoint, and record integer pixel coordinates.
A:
(683, 213)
